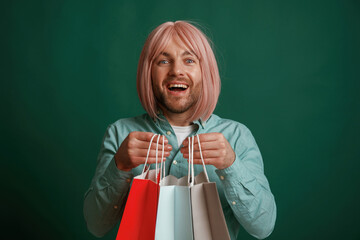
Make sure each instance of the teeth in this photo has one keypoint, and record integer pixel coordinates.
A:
(178, 86)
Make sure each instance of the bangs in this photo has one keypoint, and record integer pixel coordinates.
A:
(185, 41)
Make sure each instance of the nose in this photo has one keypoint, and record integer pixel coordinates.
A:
(177, 69)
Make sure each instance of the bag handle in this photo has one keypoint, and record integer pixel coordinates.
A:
(156, 158)
(189, 165)
(191, 179)
(162, 163)
(191, 161)
(202, 159)
(148, 152)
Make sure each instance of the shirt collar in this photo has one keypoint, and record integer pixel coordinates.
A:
(161, 121)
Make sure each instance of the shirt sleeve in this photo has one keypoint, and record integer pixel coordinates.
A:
(105, 200)
(247, 190)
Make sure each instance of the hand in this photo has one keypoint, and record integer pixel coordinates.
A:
(216, 150)
(133, 150)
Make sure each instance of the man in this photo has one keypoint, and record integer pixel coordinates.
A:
(178, 85)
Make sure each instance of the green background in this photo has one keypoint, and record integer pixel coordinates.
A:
(290, 72)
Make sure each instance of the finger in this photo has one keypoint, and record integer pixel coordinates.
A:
(144, 152)
(146, 136)
(206, 154)
(141, 160)
(145, 145)
(204, 146)
(205, 137)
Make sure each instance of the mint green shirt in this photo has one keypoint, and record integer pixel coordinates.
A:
(244, 191)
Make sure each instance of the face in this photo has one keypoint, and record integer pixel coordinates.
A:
(176, 79)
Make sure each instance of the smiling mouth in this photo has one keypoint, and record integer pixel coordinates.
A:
(177, 87)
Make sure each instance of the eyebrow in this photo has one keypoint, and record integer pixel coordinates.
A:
(183, 54)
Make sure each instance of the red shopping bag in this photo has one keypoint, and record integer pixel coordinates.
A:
(139, 218)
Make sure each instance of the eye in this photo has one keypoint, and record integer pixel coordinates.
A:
(190, 60)
(163, 62)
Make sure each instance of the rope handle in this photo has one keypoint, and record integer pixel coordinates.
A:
(162, 164)
(148, 152)
(191, 172)
(202, 159)
(156, 158)
(191, 179)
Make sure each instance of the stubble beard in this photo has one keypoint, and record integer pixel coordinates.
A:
(176, 108)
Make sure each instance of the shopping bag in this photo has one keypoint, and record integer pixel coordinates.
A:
(207, 214)
(139, 217)
(173, 221)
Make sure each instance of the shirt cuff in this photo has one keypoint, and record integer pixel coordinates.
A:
(117, 177)
(235, 174)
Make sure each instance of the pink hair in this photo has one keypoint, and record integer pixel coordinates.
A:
(198, 43)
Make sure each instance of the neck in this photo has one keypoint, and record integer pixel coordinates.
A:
(178, 119)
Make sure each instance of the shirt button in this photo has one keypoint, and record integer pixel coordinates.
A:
(174, 162)
(128, 180)
(168, 133)
(115, 207)
(233, 203)
(222, 177)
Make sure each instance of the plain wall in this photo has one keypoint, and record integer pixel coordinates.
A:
(289, 69)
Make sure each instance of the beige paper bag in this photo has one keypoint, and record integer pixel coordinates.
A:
(208, 217)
